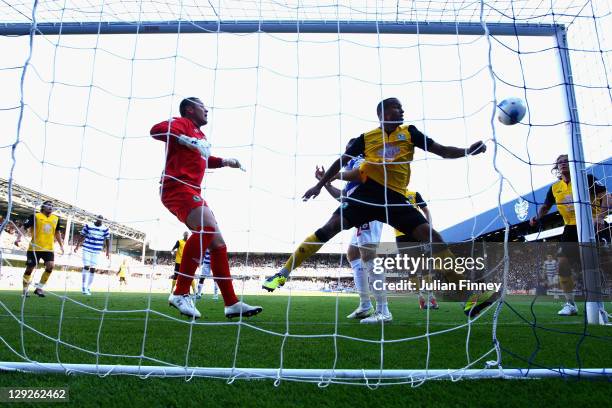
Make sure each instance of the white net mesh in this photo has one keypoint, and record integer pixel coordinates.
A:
(78, 108)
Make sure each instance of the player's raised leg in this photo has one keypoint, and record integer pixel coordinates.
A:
(306, 249)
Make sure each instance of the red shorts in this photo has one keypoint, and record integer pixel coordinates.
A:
(181, 199)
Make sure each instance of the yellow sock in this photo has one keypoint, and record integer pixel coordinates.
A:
(193, 286)
(26, 280)
(566, 283)
(307, 248)
(173, 285)
(44, 278)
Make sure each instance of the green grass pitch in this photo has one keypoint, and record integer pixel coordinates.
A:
(528, 334)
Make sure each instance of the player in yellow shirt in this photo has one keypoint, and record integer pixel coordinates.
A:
(388, 151)
(560, 194)
(177, 251)
(45, 228)
(122, 273)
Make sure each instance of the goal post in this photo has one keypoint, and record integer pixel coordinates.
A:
(287, 27)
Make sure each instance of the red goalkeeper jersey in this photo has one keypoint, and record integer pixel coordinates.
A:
(183, 165)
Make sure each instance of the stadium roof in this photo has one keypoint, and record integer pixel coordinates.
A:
(25, 198)
(516, 211)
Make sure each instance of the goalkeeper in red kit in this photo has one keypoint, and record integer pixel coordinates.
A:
(187, 158)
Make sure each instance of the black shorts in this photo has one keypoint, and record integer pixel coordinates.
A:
(33, 257)
(570, 234)
(372, 202)
(177, 267)
(122, 279)
(568, 247)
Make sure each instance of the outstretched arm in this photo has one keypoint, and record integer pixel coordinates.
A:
(355, 149)
(451, 152)
(333, 191)
(326, 178)
(447, 152)
(29, 223)
(542, 211)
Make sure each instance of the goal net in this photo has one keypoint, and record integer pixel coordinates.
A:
(287, 84)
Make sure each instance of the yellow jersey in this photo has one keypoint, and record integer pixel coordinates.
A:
(387, 157)
(122, 271)
(417, 202)
(179, 246)
(43, 231)
(560, 193)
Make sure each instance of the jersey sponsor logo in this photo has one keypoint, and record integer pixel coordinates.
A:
(388, 151)
(568, 203)
(521, 209)
(401, 136)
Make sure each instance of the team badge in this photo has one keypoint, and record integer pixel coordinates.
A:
(197, 198)
(521, 209)
(389, 151)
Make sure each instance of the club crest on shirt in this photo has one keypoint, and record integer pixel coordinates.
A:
(521, 209)
(197, 198)
(388, 151)
(568, 203)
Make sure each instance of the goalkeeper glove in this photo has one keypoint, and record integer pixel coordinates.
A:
(201, 145)
(233, 163)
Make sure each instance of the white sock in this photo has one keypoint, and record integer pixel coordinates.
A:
(380, 295)
(569, 298)
(200, 287)
(215, 289)
(360, 277)
(84, 273)
(90, 279)
(377, 281)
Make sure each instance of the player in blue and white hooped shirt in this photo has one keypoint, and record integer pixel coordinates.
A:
(206, 273)
(361, 253)
(94, 237)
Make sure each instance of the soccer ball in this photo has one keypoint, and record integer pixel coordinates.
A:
(511, 111)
